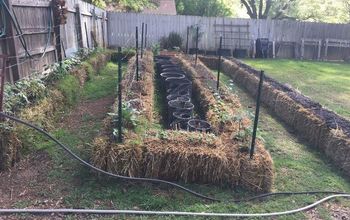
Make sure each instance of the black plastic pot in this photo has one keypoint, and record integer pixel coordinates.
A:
(178, 97)
(159, 64)
(163, 57)
(179, 107)
(175, 85)
(180, 120)
(199, 125)
(173, 69)
(176, 75)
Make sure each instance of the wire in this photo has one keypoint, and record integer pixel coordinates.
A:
(168, 213)
(17, 27)
(156, 180)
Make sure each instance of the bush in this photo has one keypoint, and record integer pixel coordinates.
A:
(171, 42)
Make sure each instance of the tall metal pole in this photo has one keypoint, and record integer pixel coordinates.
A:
(137, 53)
(146, 32)
(257, 111)
(120, 104)
(197, 39)
(142, 38)
(219, 65)
(188, 33)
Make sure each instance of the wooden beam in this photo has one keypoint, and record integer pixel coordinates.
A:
(79, 27)
(31, 3)
(37, 51)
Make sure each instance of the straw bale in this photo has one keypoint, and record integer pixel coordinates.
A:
(257, 174)
(10, 147)
(186, 156)
(338, 148)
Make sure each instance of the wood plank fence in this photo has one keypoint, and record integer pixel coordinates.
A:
(36, 21)
(286, 34)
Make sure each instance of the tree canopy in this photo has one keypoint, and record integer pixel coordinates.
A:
(332, 11)
(214, 8)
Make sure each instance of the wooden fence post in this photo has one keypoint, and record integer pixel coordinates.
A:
(103, 29)
(57, 35)
(11, 45)
(80, 28)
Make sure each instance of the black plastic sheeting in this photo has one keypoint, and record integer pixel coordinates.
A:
(178, 89)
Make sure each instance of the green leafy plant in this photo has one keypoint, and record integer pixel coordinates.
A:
(129, 120)
(156, 49)
(22, 93)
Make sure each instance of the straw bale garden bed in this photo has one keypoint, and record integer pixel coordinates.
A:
(220, 157)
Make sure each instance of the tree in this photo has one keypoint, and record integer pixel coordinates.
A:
(347, 9)
(213, 8)
(262, 9)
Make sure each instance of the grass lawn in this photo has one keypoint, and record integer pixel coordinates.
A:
(325, 82)
(297, 169)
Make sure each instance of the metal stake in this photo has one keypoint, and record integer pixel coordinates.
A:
(137, 53)
(120, 104)
(146, 32)
(197, 38)
(257, 111)
(188, 33)
(142, 38)
(219, 65)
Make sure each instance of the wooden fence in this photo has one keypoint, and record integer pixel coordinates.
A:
(36, 20)
(286, 34)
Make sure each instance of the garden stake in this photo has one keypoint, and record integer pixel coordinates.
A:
(2, 82)
(188, 33)
(120, 104)
(197, 38)
(87, 36)
(142, 37)
(146, 32)
(257, 111)
(137, 53)
(219, 65)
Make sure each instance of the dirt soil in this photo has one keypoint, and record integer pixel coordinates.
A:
(27, 184)
(94, 109)
(332, 119)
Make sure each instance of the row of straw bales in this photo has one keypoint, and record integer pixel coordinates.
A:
(309, 125)
(43, 113)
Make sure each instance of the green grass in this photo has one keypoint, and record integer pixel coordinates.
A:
(102, 84)
(297, 168)
(70, 88)
(325, 82)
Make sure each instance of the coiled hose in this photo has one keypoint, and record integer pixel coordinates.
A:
(149, 180)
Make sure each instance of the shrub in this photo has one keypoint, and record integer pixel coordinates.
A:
(171, 42)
